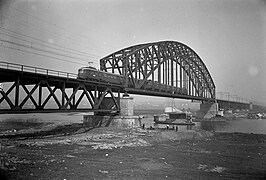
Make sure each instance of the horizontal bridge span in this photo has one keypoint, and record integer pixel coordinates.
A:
(26, 111)
(36, 87)
(67, 92)
(11, 72)
(225, 104)
(166, 94)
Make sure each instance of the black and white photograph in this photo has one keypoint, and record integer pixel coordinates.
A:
(132, 89)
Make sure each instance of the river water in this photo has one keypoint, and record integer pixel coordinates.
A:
(236, 125)
(38, 121)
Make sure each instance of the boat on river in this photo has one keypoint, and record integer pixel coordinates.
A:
(174, 120)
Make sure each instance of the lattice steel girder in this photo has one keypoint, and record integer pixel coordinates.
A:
(65, 103)
(22, 88)
(224, 104)
(159, 60)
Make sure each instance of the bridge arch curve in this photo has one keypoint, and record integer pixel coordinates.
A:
(165, 66)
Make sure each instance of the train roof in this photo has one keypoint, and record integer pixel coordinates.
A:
(88, 67)
(93, 68)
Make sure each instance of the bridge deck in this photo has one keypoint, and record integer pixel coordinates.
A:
(31, 79)
(22, 76)
(9, 72)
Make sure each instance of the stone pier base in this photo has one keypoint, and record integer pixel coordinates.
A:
(114, 121)
(125, 121)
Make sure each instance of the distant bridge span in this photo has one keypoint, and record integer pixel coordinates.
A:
(163, 69)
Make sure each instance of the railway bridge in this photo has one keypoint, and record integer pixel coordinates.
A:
(165, 69)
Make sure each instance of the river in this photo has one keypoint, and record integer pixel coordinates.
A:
(236, 125)
(38, 121)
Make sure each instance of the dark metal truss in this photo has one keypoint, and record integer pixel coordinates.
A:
(40, 90)
(167, 63)
(64, 102)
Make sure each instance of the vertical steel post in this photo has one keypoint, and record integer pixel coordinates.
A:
(63, 90)
(17, 94)
(185, 79)
(172, 72)
(113, 63)
(74, 98)
(163, 73)
(159, 70)
(181, 78)
(145, 65)
(40, 97)
(176, 74)
(189, 86)
(152, 68)
(136, 66)
(168, 72)
(192, 88)
(126, 70)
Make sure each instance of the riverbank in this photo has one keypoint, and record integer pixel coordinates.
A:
(111, 153)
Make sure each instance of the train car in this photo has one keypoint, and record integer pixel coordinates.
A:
(111, 78)
(179, 90)
(91, 73)
(169, 89)
(149, 85)
(184, 91)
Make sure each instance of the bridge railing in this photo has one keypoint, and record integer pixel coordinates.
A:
(36, 70)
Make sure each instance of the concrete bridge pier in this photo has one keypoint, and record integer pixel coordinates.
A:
(207, 110)
(125, 119)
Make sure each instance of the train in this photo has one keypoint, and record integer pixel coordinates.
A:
(92, 74)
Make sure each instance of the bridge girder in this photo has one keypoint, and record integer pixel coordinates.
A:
(36, 90)
(166, 64)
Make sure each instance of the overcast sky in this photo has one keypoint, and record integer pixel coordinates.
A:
(228, 35)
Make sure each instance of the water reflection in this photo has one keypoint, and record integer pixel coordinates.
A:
(236, 125)
(213, 126)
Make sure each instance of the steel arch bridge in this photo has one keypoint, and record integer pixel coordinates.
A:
(165, 68)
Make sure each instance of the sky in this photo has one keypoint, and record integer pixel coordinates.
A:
(228, 35)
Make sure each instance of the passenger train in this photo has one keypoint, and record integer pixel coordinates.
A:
(92, 74)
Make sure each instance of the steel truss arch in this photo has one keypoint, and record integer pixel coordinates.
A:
(168, 64)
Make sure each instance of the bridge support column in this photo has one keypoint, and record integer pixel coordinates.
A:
(126, 119)
(207, 110)
(126, 106)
